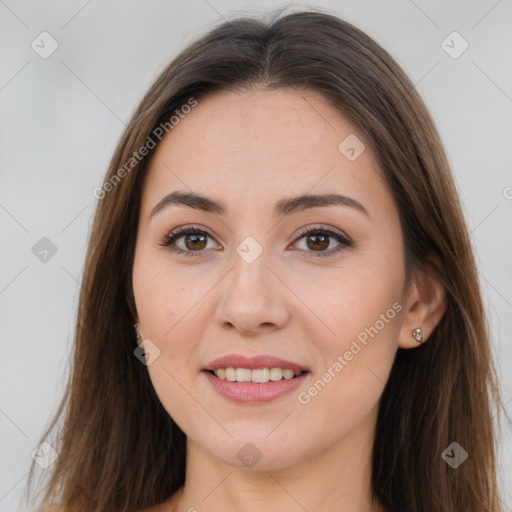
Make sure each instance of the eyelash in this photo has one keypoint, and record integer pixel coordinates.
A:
(344, 242)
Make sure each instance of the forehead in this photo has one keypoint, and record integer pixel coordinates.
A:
(259, 145)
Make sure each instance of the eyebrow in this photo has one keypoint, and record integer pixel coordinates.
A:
(283, 207)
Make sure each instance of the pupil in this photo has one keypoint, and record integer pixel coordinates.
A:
(323, 242)
(198, 239)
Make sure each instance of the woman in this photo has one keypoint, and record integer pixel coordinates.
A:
(280, 307)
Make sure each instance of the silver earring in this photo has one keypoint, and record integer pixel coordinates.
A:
(418, 335)
(135, 327)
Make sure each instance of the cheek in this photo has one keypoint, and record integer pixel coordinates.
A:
(173, 310)
(361, 306)
(356, 365)
(353, 298)
(165, 295)
(165, 300)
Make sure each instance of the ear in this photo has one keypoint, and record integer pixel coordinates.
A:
(137, 330)
(424, 306)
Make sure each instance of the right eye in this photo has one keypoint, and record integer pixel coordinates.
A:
(194, 240)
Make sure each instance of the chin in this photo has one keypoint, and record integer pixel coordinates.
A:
(253, 453)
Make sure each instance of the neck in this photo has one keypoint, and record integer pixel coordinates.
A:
(339, 478)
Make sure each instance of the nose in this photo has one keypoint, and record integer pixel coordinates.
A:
(254, 298)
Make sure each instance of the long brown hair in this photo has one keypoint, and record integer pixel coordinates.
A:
(120, 451)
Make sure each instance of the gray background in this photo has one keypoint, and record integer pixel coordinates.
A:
(62, 116)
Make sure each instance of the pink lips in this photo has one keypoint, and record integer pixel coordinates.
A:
(250, 392)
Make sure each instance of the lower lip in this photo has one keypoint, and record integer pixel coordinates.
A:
(250, 392)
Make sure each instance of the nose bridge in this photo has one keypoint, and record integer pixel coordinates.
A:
(250, 264)
(251, 295)
(251, 275)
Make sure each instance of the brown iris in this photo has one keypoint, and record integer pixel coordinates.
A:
(197, 240)
(322, 244)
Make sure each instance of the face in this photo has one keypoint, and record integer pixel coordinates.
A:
(316, 284)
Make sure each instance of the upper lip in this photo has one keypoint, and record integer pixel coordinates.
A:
(252, 363)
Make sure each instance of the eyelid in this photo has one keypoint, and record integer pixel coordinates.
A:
(343, 240)
(325, 228)
(170, 237)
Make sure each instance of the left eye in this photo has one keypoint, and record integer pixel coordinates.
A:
(317, 239)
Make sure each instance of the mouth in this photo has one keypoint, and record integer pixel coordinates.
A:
(255, 386)
(255, 379)
(256, 375)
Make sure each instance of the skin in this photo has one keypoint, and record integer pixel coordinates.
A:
(251, 149)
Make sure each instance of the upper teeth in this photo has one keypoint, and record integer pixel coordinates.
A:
(260, 375)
